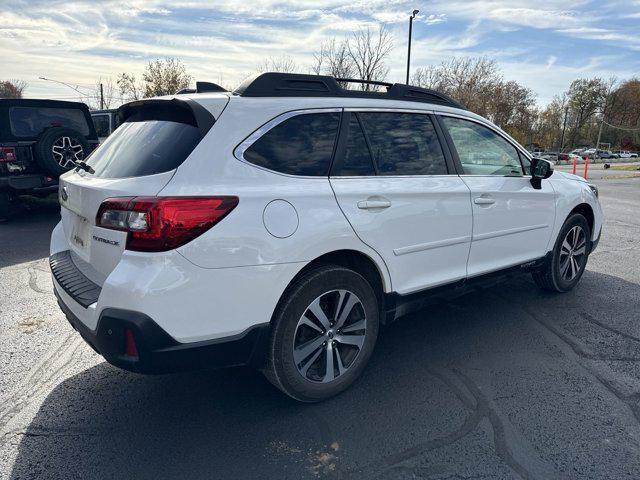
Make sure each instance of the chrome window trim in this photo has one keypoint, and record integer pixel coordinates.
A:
(242, 147)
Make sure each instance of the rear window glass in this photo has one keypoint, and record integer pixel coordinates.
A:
(101, 124)
(31, 121)
(301, 145)
(144, 148)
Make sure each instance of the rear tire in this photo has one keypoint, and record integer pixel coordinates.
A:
(563, 269)
(313, 357)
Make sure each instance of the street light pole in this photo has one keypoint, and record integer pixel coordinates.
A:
(63, 83)
(413, 15)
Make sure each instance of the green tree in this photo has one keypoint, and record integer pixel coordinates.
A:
(161, 77)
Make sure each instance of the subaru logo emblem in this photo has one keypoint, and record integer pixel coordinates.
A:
(64, 194)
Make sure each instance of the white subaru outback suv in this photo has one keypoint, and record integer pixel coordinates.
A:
(279, 225)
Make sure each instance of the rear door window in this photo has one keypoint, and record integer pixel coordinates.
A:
(357, 157)
(145, 147)
(300, 145)
(403, 143)
(32, 121)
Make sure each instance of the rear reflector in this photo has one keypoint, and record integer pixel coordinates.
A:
(130, 349)
(158, 224)
(7, 154)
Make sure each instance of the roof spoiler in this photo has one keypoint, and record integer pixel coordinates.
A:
(174, 110)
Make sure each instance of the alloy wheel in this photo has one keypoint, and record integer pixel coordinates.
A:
(329, 336)
(67, 151)
(573, 253)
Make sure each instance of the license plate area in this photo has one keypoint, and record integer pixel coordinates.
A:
(79, 235)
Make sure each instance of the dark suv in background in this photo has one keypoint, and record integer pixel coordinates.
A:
(40, 140)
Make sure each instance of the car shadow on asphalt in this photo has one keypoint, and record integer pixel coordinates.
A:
(25, 236)
(417, 397)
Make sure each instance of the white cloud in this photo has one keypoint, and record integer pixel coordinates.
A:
(229, 38)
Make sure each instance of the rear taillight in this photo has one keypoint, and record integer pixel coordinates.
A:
(7, 154)
(158, 224)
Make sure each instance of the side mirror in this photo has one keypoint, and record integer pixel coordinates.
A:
(540, 169)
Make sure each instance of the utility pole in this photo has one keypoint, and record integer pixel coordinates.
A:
(413, 14)
(599, 133)
(101, 97)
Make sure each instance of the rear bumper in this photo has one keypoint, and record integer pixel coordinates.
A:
(158, 352)
(25, 183)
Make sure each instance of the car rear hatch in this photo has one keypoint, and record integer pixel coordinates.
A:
(137, 160)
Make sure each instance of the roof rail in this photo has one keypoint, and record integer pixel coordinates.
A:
(202, 87)
(273, 84)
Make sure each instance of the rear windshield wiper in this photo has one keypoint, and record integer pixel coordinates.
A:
(83, 165)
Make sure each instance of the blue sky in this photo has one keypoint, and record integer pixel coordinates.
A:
(543, 44)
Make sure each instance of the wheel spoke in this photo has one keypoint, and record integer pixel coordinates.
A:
(302, 352)
(350, 302)
(316, 309)
(573, 269)
(355, 340)
(56, 149)
(354, 327)
(341, 367)
(566, 247)
(564, 267)
(329, 369)
(580, 250)
(309, 323)
(305, 368)
(573, 237)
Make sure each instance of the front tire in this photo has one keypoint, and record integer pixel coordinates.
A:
(562, 271)
(323, 334)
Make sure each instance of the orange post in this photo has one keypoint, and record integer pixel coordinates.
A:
(586, 167)
(575, 163)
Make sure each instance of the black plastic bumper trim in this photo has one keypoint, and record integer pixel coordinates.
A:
(158, 352)
(72, 280)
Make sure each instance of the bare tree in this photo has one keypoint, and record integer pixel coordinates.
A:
(12, 88)
(334, 59)
(107, 94)
(161, 77)
(368, 51)
(283, 63)
(469, 80)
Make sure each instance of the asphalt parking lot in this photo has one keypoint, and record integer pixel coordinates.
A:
(508, 382)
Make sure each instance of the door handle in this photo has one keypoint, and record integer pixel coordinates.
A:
(371, 204)
(484, 201)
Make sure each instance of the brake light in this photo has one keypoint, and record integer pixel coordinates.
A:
(7, 154)
(158, 224)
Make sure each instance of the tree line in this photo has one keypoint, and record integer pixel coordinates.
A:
(590, 110)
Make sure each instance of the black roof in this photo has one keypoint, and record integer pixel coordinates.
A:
(274, 84)
(38, 102)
